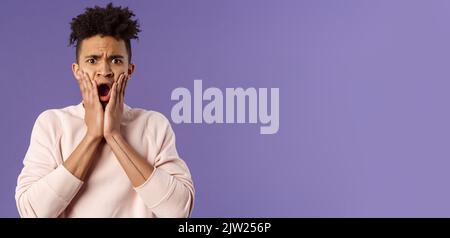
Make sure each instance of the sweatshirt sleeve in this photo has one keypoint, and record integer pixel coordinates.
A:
(169, 191)
(44, 186)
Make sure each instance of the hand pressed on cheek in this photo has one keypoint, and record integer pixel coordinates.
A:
(114, 109)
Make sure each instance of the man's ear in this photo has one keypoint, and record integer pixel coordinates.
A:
(131, 68)
(75, 70)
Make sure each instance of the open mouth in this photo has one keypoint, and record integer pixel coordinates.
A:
(104, 92)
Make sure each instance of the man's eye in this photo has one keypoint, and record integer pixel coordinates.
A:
(91, 61)
(116, 61)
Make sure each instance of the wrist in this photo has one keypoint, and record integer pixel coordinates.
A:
(111, 135)
(93, 138)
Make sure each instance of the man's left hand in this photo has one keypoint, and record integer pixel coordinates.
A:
(114, 108)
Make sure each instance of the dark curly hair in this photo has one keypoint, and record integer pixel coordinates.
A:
(109, 21)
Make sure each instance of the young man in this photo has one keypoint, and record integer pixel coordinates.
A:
(101, 158)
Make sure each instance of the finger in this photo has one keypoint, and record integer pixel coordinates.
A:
(95, 93)
(120, 84)
(88, 86)
(127, 77)
(117, 89)
(94, 84)
(83, 78)
(83, 89)
(78, 78)
(91, 86)
(86, 75)
(112, 100)
(126, 82)
(122, 88)
(84, 83)
(88, 80)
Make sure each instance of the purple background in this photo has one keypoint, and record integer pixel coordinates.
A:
(364, 95)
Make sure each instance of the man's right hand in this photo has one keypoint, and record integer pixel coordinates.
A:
(94, 113)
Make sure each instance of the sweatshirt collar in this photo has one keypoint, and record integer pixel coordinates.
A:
(79, 110)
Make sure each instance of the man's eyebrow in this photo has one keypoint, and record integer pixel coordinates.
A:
(110, 57)
(93, 56)
(116, 57)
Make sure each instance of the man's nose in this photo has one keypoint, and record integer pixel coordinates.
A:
(104, 70)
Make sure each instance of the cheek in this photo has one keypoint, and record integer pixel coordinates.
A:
(91, 74)
(118, 71)
(88, 70)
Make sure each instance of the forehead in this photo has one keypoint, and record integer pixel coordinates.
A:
(103, 44)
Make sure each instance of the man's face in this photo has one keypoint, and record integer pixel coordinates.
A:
(104, 59)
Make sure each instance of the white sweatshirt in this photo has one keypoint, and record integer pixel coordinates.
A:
(45, 188)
